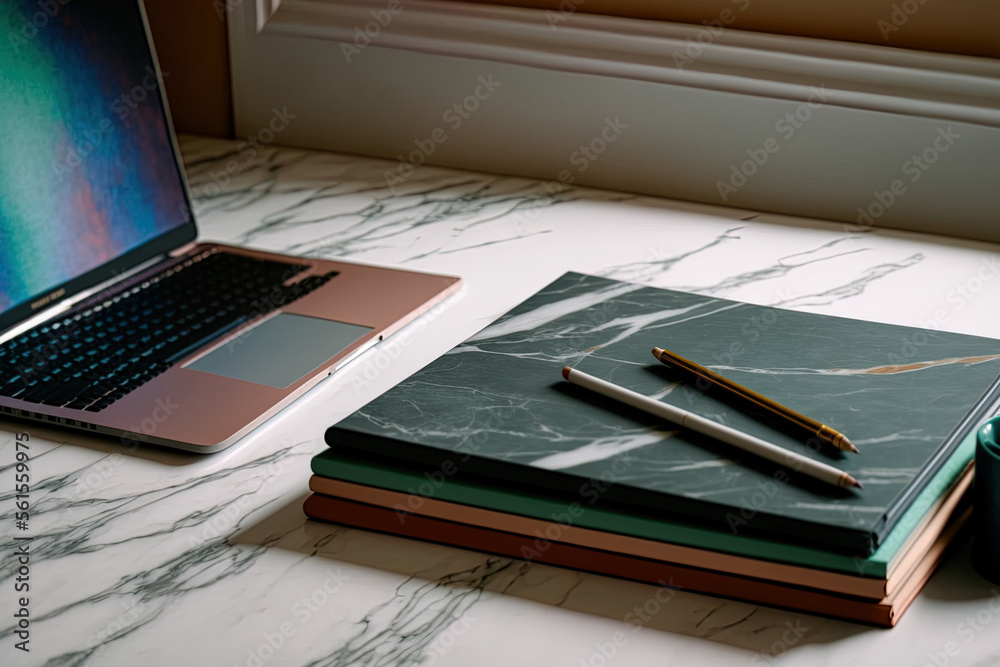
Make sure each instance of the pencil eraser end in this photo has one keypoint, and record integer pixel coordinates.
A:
(657, 352)
(566, 370)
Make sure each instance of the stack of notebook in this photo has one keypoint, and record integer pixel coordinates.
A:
(488, 448)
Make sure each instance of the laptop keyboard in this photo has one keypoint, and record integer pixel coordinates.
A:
(90, 359)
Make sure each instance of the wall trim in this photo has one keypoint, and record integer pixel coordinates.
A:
(712, 57)
(863, 134)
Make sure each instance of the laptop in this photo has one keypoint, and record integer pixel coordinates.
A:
(113, 320)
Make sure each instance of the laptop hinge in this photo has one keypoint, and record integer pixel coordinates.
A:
(65, 306)
(183, 250)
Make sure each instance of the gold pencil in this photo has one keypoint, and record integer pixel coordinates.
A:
(706, 379)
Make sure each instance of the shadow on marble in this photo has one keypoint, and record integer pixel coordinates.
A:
(469, 574)
(956, 580)
(851, 230)
(107, 445)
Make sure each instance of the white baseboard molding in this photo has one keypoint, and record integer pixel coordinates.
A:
(801, 126)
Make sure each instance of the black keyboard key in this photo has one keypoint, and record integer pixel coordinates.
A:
(67, 391)
(92, 358)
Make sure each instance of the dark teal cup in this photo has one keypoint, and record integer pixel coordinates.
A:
(986, 515)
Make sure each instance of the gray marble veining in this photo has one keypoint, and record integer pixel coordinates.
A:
(499, 397)
(157, 558)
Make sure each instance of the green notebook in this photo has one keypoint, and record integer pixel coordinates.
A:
(496, 407)
(395, 478)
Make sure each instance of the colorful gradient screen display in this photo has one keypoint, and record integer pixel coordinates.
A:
(87, 170)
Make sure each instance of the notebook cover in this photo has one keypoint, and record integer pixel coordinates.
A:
(885, 612)
(337, 465)
(496, 407)
(546, 531)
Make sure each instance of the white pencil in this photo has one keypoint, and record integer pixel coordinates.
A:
(748, 443)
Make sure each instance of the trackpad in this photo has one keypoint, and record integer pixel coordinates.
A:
(281, 350)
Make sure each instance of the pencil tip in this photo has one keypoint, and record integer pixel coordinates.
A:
(565, 372)
(858, 484)
(853, 448)
(657, 352)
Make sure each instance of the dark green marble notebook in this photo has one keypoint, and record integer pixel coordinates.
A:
(496, 408)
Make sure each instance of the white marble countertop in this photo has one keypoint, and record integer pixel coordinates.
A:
(149, 557)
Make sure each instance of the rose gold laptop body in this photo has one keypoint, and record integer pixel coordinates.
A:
(204, 412)
(201, 411)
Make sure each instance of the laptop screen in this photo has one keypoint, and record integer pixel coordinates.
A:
(89, 182)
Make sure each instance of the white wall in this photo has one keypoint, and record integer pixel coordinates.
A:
(686, 113)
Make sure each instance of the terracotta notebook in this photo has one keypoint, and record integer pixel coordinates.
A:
(885, 612)
(418, 484)
(952, 506)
